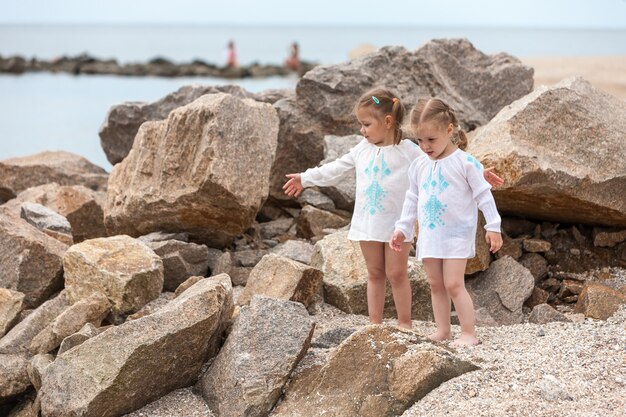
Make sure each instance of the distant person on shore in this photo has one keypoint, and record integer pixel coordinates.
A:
(380, 162)
(231, 55)
(293, 60)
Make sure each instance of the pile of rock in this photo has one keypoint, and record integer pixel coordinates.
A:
(185, 266)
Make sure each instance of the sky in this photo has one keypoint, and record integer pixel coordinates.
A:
(599, 14)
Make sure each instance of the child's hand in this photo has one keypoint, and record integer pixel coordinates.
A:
(396, 241)
(492, 178)
(293, 186)
(494, 240)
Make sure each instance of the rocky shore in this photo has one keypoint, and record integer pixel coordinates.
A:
(184, 283)
(158, 67)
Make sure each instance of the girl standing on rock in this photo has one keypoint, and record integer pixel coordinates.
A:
(381, 161)
(449, 186)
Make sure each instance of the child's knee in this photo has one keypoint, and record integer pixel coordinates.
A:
(397, 277)
(376, 275)
(454, 288)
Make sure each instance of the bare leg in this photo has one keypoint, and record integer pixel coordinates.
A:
(374, 254)
(454, 280)
(396, 268)
(439, 297)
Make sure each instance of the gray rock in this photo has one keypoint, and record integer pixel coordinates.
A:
(271, 229)
(502, 290)
(130, 365)
(525, 143)
(36, 366)
(48, 221)
(315, 198)
(155, 305)
(13, 375)
(536, 264)
(552, 389)
(313, 221)
(266, 343)
(86, 332)
(298, 250)
(122, 122)
(206, 145)
(543, 313)
(163, 236)
(18, 339)
(344, 193)
(180, 261)
(31, 260)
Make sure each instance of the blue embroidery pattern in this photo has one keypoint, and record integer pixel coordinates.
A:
(433, 208)
(375, 193)
(474, 161)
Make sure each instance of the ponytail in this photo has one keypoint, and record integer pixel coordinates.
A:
(385, 103)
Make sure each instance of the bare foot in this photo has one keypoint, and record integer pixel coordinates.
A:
(465, 340)
(408, 326)
(439, 336)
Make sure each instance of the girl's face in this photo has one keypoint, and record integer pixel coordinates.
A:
(435, 140)
(376, 129)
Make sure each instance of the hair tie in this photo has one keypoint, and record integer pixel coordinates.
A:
(394, 100)
(376, 100)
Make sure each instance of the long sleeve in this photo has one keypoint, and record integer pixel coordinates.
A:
(406, 223)
(481, 193)
(332, 172)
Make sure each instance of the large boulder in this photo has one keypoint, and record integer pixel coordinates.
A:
(124, 269)
(129, 365)
(378, 371)
(204, 170)
(81, 206)
(501, 290)
(13, 375)
(344, 193)
(31, 262)
(280, 277)
(476, 85)
(266, 343)
(525, 142)
(345, 279)
(18, 339)
(64, 168)
(11, 303)
(122, 121)
(599, 301)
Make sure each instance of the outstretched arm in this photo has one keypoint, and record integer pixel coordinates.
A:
(293, 187)
(492, 178)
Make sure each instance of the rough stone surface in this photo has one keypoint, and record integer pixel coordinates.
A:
(279, 277)
(599, 301)
(313, 221)
(36, 366)
(537, 297)
(48, 221)
(81, 206)
(180, 261)
(267, 341)
(315, 198)
(31, 260)
(11, 305)
(475, 84)
(183, 173)
(345, 278)
(298, 250)
(510, 247)
(271, 229)
(525, 144)
(13, 375)
(18, 339)
(543, 313)
(155, 305)
(122, 122)
(536, 264)
(86, 332)
(130, 365)
(92, 309)
(536, 245)
(127, 271)
(185, 285)
(502, 290)
(377, 371)
(481, 261)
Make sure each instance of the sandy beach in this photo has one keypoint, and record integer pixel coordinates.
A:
(607, 73)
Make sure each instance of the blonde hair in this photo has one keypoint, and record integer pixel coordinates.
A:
(384, 103)
(436, 110)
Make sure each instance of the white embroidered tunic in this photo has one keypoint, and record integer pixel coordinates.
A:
(443, 196)
(381, 183)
